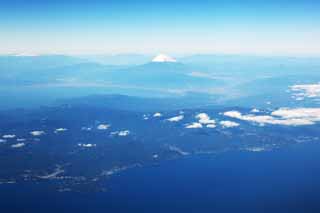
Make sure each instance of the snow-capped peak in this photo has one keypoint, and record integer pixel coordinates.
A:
(163, 58)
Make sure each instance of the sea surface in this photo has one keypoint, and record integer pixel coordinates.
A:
(285, 180)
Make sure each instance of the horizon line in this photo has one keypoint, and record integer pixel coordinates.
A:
(175, 54)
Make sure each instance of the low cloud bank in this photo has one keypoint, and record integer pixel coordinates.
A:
(282, 116)
(302, 91)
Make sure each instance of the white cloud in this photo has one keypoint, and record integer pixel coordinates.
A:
(145, 117)
(194, 126)
(124, 133)
(205, 119)
(302, 91)
(86, 128)
(37, 133)
(121, 133)
(18, 145)
(9, 136)
(88, 145)
(176, 118)
(2, 140)
(157, 114)
(211, 126)
(282, 116)
(233, 114)
(255, 149)
(21, 139)
(304, 115)
(228, 124)
(254, 110)
(114, 133)
(60, 130)
(103, 126)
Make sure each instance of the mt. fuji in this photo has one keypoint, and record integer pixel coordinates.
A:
(163, 58)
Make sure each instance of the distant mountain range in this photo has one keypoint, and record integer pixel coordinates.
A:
(21, 70)
(240, 80)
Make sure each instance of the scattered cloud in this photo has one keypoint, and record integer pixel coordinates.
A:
(37, 133)
(194, 125)
(255, 149)
(121, 133)
(228, 124)
(86, 128)
(103, 126)
(302, 91)
(254, 110)
(157, 114)
(124, 133)
(205, 119)
(176, 118)
(21, 139)
(211, 126)
(2, 140)
(310, 114)
(9, 136)
(88, 145)
(233, 114)
(18, 145)
(60, 130)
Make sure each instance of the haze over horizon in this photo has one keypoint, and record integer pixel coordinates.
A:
(174, 27)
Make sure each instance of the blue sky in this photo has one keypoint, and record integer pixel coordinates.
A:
(185, 27)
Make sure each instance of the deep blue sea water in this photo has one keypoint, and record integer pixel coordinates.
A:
(286, 180)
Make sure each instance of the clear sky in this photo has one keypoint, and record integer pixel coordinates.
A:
(147, 26)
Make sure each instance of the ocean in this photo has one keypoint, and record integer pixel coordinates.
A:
(285, 180)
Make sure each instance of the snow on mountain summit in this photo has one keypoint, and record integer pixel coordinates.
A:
(163, 58)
